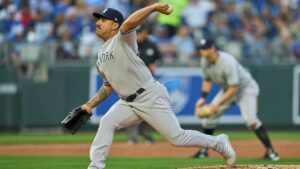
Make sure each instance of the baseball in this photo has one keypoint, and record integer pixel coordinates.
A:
(170, 9)
(204, 111)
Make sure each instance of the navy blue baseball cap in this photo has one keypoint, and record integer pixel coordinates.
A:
(206, 44)
(111, 14)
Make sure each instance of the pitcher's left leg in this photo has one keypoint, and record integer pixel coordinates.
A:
(161, 118)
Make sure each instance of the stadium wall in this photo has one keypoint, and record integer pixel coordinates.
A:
(30, 104)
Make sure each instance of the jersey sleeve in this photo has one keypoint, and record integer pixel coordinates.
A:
(203, 65)
(232, 74)
(130, 38)
(105, 82)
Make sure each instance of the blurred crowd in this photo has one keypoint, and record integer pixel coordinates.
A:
(256, 31)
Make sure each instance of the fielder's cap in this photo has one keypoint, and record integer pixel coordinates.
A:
(206, 44)
(111, 14)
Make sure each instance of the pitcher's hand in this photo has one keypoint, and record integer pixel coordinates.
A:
(163, 8)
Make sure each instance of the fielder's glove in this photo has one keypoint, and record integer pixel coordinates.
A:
(204, 111)
(75, 119)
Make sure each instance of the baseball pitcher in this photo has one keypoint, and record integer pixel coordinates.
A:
(141, 97)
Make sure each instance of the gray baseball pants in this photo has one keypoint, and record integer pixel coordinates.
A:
(152, 106)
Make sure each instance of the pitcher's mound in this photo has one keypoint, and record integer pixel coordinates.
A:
(248, 167)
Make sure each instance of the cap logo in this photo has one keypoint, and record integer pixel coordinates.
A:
(203, 41)
(104, 11)
(116, 19)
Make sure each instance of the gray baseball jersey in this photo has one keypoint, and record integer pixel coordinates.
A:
(120, 66)
(227, 71)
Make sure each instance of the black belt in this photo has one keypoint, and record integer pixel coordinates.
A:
(133, 96)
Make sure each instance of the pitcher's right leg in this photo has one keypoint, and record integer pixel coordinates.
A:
(119, 116)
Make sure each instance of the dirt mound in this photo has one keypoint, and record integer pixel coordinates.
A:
(248, 167)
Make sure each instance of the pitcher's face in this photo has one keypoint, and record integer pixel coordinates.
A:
(104, 27)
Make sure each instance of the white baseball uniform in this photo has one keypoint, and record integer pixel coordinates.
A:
(122, 69)
(227, 71)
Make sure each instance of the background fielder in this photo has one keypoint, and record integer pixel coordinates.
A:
(237, 87)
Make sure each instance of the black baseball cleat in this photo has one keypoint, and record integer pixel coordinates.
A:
(271, 155)
(202, 153)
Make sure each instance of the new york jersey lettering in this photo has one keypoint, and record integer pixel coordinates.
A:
(106, 56)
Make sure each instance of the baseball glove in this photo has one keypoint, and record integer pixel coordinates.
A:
(204, 111)
(75, 119)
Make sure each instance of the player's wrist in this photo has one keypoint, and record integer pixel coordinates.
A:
(204, 94)
(202, 100)
(87, 107)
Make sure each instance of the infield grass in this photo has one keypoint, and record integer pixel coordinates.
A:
(61, 162)
(87, 137)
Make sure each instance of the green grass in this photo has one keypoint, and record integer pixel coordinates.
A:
(54, 162)
(83, 137)
(75, 162)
